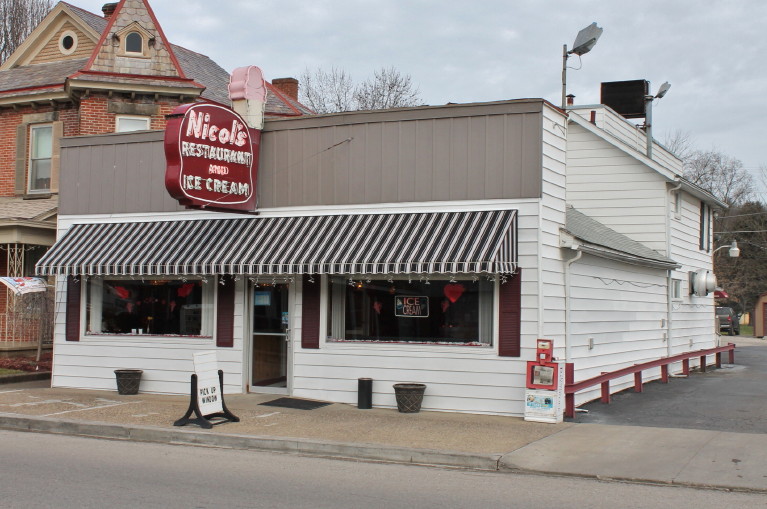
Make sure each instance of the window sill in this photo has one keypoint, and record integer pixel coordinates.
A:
(154, 337)
(424, 343)
(479, 349)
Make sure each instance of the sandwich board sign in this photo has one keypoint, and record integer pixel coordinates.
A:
(207, 394)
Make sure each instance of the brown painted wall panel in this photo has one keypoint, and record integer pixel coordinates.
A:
(473, 152)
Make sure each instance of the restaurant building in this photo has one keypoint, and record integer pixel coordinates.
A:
(429, 244)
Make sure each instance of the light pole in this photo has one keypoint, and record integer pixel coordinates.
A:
(648, 114)
(584, 41)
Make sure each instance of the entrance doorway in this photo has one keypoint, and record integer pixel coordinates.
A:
(270, 346)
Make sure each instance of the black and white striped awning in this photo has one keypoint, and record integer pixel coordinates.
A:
(413, 243)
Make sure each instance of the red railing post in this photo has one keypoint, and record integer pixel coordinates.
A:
(638, 382)
(569, 397)
(732, 353)
(702, 363)
(606, 391)
(664, 373)
(718, 359)
(686, 367)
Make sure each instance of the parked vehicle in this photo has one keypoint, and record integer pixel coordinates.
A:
(728, 321)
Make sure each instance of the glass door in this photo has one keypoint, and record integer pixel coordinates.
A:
(270, 337)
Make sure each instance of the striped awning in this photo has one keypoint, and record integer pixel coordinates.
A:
(413, 243)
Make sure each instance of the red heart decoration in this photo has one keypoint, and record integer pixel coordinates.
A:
(453, 291)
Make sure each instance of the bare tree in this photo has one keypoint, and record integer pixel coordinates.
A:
(334, 90)
(386, 89)
(679, 143)
(327, 91)
(19, 18)
(721, 175)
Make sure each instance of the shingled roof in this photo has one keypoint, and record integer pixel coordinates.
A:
(197, 66)
(604, 241)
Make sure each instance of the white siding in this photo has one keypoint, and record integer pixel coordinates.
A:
(458, 378)
(692, 317)
(166, 361)
(465, 379)
(628, 134)
(620, 309)
(615, 189)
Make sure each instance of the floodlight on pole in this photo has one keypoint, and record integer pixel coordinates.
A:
(584, 41)
(648, 114)
(733, 251)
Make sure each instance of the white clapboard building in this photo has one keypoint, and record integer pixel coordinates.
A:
(428, 244)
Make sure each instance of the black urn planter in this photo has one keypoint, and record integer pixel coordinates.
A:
(128, 380)
(409, 397)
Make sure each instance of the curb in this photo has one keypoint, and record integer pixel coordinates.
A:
(299, 446)
(634, 480)
(25, 377)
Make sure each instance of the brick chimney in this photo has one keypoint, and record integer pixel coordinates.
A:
(109, 9)
(287, 86)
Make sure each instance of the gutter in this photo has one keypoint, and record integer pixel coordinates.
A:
(568, 300)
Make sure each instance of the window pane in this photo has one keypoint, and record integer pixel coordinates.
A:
(40, 175)
(437, 311)
(127, 124)
(42, 142)
(133, 43)
(146, 307)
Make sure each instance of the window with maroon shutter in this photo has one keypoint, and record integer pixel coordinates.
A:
(73, 309)
(310, 312)
(225, 313)
(151, 307)
(510, 316)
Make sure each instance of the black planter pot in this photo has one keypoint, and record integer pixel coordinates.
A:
(409, 397)
(128, 381)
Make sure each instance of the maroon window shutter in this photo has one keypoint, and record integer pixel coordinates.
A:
(225, 313)
(310, 309)
(510, 316)
(73, 309)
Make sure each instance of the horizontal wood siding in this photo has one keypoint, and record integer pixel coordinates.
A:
(622, 308)
(692, 317)
(615, 189)
(167, 362)
(630, 135)
(50, 52)
(552, 218)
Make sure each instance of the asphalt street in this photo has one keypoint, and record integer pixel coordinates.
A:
(43, 471)
(728, 399)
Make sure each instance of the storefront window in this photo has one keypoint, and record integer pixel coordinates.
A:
(156, 306)
(417, 311)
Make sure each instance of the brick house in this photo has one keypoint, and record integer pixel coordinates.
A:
(80, 73)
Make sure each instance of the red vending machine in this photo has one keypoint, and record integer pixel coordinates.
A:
(545, 384)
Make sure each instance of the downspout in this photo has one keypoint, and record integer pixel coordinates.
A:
(568, 346)
(669, 279)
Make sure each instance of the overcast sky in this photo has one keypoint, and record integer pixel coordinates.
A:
(712, 53)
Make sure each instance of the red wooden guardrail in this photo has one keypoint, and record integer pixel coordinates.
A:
(571, 387)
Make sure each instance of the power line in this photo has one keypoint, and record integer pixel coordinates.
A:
(742, 215)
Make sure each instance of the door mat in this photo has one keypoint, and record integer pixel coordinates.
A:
(299, 404)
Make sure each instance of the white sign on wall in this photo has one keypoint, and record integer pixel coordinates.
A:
(209, 396)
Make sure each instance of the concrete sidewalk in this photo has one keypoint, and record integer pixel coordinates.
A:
(669, 456)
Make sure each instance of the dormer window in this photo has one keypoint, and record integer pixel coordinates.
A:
(134, 43)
